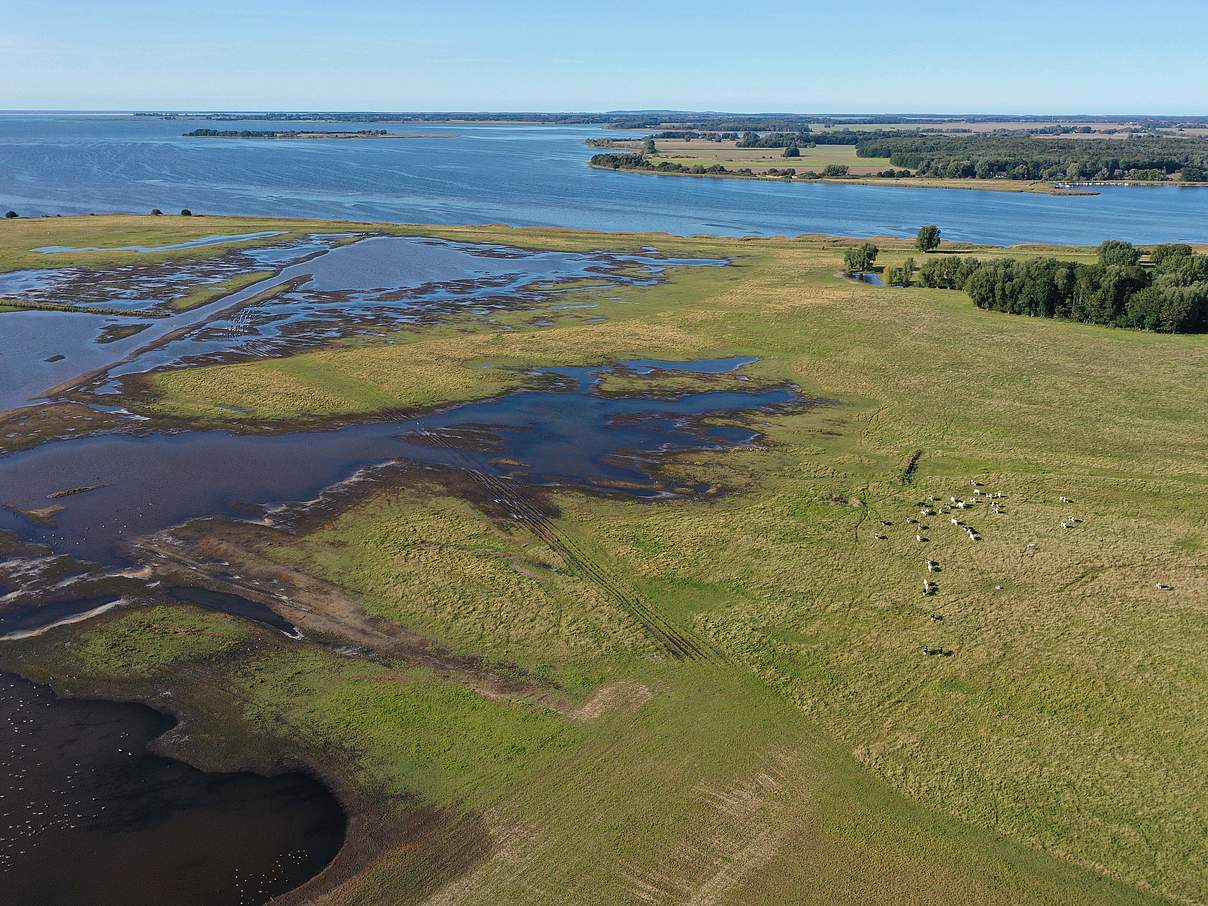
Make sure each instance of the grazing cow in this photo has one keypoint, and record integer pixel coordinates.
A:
(919, 538)
(954, 521)
(928, 588)
(932, 566)
(1065, 500)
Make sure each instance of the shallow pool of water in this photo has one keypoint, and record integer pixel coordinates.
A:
(88, 815)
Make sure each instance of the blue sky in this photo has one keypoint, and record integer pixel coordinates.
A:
(1019, 56)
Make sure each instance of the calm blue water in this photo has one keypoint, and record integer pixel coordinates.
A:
(527, 176)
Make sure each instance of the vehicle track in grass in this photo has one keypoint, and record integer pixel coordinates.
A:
(681, 644)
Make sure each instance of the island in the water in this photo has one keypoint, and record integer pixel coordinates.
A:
(1056, 157)
(308, 133)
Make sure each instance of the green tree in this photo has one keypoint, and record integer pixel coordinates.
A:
(928, 238)
(792, 151)
(1170, 254)
(11, 215)
(835, 170)
(649, 147)
(860, 259)
(1117, 252)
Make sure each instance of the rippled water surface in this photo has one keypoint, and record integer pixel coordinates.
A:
(522, 175)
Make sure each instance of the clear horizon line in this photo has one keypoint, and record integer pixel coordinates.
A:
(602, 112)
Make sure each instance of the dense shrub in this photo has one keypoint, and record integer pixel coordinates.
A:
(1171, 297)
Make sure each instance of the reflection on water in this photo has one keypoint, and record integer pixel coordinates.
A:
(87, 815)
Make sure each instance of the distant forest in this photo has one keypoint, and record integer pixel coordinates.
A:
(999, 156)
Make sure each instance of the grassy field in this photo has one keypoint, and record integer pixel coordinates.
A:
(1056, 757)
(761, 159)
(862, 170)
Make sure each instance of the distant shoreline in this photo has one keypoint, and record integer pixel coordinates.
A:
(308, 134)
(1035, 188)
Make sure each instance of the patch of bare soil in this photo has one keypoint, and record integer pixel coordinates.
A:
(226, 557)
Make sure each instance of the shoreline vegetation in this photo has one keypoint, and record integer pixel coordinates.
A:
(1033, 162)
(1040, 188)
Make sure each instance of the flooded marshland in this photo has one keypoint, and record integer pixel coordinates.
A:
(567, 434)
(78, 513)
(322, 288)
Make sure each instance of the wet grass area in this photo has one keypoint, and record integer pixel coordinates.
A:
(89, 815)
(142, 287)
(373, 287)
(564, 432)
(261, 301)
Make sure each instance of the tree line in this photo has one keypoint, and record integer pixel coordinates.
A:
(1169, 293)
(1029, 158)
(630, 160)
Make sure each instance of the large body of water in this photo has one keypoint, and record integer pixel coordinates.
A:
(526, 176)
